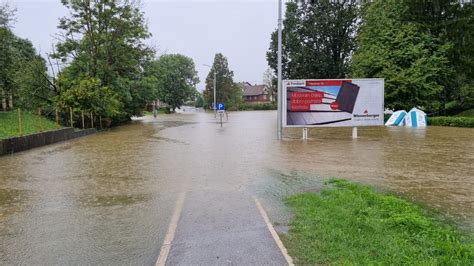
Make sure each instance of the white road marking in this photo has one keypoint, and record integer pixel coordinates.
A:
(277, 239)
(165, 248)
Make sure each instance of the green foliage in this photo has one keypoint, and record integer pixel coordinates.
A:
(423, 49)
(451, 121)
(452, 22)
(199, 101)
(413, 62)
(87, 95)
(23, 73)
(31, 123)
(318, 39)
(174, 77)
(226, 90)
(467, 113)
(348, 223)
(104, 41)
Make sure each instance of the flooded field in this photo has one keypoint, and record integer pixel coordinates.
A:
(108, 198)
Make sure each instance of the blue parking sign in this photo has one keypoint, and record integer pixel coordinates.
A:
(220, 106)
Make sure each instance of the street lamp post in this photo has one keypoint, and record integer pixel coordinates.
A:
(214, 91)
(280, 93)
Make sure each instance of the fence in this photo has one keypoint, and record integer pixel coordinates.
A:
(20, 122)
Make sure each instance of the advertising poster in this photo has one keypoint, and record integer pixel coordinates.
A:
(333, 103)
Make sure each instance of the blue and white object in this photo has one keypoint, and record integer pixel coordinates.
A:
(416, 118)
(397, 118)
(220, 107)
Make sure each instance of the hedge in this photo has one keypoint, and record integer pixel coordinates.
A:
(451, 121)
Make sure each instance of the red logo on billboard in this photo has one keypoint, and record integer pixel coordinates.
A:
(334, 105)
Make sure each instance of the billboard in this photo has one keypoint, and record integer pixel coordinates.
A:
(333, 102)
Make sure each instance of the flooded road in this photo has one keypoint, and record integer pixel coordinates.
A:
(108, 198)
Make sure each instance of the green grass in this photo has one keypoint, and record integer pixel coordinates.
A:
(31, 123)
(348, 223)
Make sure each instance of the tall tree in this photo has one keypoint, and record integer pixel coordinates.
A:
(318, 39)
(23, 72)
(413, 62)
(450, 21)
(6, 53)
(175, 79)
(104, 40)
(225, 88)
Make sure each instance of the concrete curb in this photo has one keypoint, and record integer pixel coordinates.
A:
(16, 144)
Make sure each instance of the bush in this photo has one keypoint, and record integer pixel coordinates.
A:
(451, 121)
(467, 113)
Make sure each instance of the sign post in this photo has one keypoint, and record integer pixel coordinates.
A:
(221, 109)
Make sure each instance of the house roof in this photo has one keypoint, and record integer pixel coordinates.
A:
(255, 90)
(244, 84)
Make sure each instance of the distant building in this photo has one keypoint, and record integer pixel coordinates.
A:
(256, 93)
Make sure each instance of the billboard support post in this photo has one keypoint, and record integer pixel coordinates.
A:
(354, 132)
(305, 133)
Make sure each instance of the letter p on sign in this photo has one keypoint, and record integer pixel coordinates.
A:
(220, 106)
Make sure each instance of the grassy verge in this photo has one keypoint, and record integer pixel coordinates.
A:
(31, 123)
(451, 121)
(348, 223)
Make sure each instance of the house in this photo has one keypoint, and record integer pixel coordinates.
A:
(256, 93)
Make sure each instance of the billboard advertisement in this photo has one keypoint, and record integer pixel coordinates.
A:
(333, 102)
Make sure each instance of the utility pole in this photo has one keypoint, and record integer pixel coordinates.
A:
(280, 93)
(215, 109)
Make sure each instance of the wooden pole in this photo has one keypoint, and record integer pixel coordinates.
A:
(57, 117)
(92, 120)
(19, 122)
(100, 121)
(82, 114)
(70, 112)
(40, 120)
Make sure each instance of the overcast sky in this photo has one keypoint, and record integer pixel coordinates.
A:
(240, 29)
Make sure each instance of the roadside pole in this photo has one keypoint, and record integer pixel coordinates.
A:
(215, 109)
(280, 100)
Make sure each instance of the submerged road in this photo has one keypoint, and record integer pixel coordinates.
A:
(183, 187)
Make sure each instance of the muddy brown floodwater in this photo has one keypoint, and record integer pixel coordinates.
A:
(108, 198)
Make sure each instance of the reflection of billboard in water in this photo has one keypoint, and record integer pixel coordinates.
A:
(333, 103)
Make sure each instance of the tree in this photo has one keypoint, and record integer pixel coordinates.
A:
(413, 62)
(175, 77)
(318, 39)
(6, 53)
(7, 15)
(269, 79)
(199, 101)
(226, 91)
(22, 70)
(104, 40)
(450, 21)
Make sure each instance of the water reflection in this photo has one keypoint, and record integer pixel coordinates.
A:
(108, 198)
